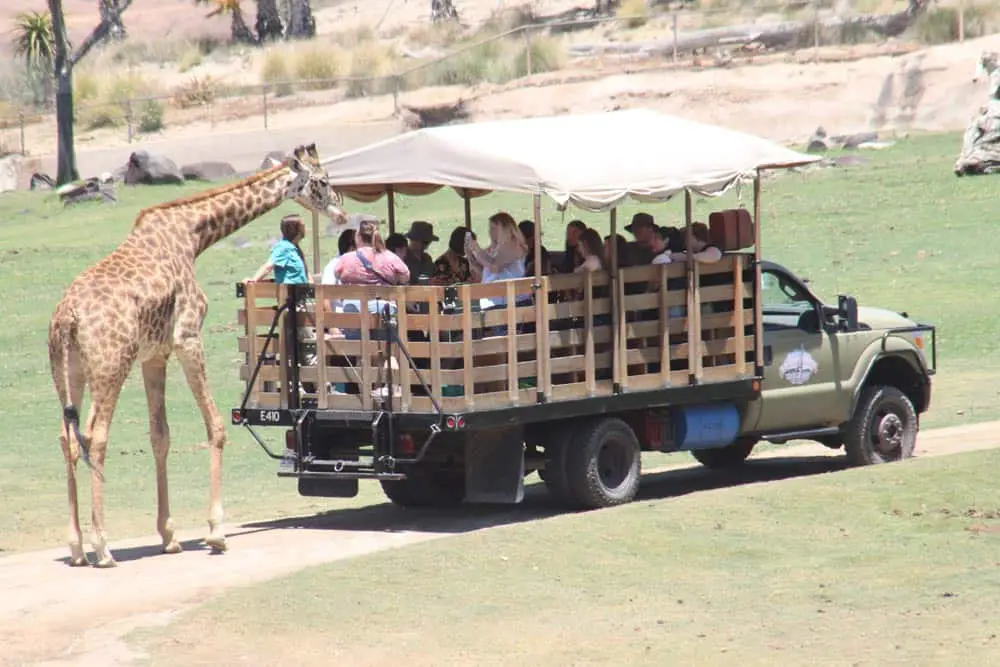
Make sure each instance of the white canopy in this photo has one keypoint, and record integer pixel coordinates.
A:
(594, 161)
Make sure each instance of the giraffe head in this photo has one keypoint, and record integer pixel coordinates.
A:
(310, 186)
(987, 63)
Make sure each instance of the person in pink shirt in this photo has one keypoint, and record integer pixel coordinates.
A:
(371, 263)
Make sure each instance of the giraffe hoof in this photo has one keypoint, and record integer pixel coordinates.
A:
(172, 548)
(217, 544)
(79, 562)
(106, 562)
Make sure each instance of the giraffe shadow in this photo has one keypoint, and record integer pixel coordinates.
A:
(537, 505)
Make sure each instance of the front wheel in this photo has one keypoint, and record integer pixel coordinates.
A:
(725, 457)
(883, 428)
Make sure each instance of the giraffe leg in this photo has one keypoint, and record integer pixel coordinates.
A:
(192, 358)
(71, 395)
(104, 398)
(154, 376)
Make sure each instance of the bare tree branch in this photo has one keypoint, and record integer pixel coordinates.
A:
(100, 32)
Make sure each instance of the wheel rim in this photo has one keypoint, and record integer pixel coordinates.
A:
(888, 432)
(613, 463)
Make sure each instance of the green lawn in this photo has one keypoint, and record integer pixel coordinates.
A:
(899, 231)
(892, 564)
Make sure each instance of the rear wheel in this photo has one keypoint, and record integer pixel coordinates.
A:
(725, 457)
(883, 428)
(554, 473)
(427, 486)
(603, 464)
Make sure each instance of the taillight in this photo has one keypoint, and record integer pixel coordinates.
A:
(451, 422)
(290, 439)
(406, 444)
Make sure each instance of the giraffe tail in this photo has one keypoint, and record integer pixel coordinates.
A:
(71, 416)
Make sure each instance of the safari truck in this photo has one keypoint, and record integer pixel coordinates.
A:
(444, 401)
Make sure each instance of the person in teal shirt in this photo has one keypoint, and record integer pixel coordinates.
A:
(286, 260)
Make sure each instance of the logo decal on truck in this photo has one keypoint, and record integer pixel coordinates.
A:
(798, 367)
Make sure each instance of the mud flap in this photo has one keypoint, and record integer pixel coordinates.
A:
(494, 466)
(328, 488)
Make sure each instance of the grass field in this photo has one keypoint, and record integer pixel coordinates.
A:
(899, 231)
(787, 573)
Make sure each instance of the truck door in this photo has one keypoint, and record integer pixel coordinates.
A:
(800, 366)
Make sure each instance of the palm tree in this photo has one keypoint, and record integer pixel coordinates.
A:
(238, 28)
(34, 39)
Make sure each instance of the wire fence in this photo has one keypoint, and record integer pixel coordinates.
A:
(509, 55)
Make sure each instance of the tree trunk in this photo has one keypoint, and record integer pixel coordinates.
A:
(239, 30)
(111, 12)
(268, 21)
(443, 10)
(66, 171)
(300, 23)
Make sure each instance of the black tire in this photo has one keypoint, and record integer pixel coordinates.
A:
(603, 465)
(883, 428)
(554, 473)
(730, 456)
(426, 487)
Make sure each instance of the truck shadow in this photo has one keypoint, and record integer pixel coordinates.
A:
(538, 504)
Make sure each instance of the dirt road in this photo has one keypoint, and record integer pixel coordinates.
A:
(52, 614)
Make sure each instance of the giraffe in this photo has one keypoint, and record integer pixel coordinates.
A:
(142, 303)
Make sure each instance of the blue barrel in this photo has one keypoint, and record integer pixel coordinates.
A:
(705, 426)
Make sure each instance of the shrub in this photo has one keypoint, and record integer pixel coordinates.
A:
(636, 11)
(196, 92)
(547, 55)
(101, 116)
(317, 66)
(939, 25)
(275, 73)
(369, 63)
(150, 117)
(190, 59)
(124, 87)
(86, 86)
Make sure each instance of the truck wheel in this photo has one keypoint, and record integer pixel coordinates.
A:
(554, 474)
(725, 457)
(603, 465)
(883, 427)
(426, 487)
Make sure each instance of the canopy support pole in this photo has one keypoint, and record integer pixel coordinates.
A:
(758, 309)
(617, 323)
(316, 264)
(541, 290)
(390, 197)
(694, 332)
(468, 208)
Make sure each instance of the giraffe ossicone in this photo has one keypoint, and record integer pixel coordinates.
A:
(140, 304)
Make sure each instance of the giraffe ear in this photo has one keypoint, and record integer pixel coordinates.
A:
(311, 150)
(295, 163)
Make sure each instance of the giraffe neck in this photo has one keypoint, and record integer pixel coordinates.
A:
(196, 224)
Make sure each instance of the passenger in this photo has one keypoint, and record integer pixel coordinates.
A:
(452, 266)
(622, 247)
(665, 243)
(571, 257)
(503, 259)
(371, 263)
(643, 227)
(286, 260)
(397, 243)
(702, 248)
(527, 228)
(591, 252)
(421, 235)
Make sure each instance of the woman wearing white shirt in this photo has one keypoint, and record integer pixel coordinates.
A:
(591, 250)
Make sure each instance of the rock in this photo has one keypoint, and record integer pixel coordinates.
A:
(90, 190)
(150, 169)
(852, 141)
(817, 145)
(10, 170)
(42, 182)
(208, 171)
(273, 159)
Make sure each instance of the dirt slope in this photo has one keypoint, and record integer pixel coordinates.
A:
(52, 612)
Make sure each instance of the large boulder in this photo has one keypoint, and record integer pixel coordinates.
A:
(981, 143)
(272, 159)
(10, 170)
(149, 169)
(208, 171)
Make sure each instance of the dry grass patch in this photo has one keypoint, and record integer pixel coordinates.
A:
(371, 65)
(319, 68)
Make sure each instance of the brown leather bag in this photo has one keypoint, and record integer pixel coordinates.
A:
(731, 229)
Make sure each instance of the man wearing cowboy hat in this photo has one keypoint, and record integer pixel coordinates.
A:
(643, 227)
(421, 235)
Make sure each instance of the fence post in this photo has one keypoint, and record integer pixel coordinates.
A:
(20, 122)
(527, 51)
(961, 20)
(673, 29)
(128, 118)
(396, 85)
(815, 31)
(263, 90)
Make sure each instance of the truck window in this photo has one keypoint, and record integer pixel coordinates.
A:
(776, 290)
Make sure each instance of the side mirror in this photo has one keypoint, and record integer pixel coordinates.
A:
(847, 309)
